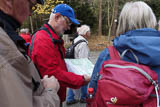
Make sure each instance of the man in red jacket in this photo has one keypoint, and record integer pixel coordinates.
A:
(47, 50)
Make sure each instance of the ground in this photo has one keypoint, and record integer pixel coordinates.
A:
(93, 58)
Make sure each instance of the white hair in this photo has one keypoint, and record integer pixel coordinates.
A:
(51, 16)
(24, 30)
(83, 30)
(136, 15)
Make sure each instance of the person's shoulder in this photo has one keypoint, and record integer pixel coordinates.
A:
(5, 39)
(2, 32)
(41, 32)
(41, 35)
(76, 39)
(104, 53)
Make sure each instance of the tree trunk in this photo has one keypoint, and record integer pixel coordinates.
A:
(115, 21)
(100, 18)
(31, 23)
(111, 9)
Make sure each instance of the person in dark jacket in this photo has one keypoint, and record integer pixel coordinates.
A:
(48, 52)
(136, 31)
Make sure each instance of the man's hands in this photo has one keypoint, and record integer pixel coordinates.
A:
(86, 79)
(50, 83)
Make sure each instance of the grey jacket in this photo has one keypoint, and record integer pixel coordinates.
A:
(82, 49)
(16, 73)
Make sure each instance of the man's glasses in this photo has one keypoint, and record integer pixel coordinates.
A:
(68, 22)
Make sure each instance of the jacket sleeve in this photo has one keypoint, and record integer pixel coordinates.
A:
(42, 97)
(16, 90)
(46, 99)
(48, 61)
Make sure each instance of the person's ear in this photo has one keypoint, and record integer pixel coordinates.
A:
(57, 16)
(7, 6)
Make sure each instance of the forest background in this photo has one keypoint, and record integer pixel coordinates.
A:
(100, 15)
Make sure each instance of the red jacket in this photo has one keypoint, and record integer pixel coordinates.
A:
(26, 37)
(48, 61)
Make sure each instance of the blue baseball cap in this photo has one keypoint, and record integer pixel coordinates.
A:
(67, 11)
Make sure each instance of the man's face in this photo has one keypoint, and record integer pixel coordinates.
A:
(88, 34)
(62, 24)
(22, 9)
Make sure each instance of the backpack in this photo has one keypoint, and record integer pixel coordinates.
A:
(70, 50)
(125, 84)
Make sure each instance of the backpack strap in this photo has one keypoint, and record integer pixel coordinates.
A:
(74, 45)
(113, 53)
(31, 44)
(55, 41)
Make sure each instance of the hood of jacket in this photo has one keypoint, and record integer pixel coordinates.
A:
(145, 43)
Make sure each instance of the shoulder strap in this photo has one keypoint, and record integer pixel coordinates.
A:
(113, 53)
(55, 41)
(31, 44)
(74, 45)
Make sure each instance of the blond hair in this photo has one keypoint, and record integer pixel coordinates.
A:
(136, 15)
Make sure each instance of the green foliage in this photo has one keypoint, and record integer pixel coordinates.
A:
(47, 7)
(40, 14)
(86, 11)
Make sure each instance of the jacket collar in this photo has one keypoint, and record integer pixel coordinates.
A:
(60, 36)
(81, 37)
(9, 25)
(143, 42)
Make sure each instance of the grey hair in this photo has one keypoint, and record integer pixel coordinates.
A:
(136, 15)
(51, 16)
(83, 30)
(24, 30)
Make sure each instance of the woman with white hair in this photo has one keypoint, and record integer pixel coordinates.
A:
(80, 51)
(136, 31)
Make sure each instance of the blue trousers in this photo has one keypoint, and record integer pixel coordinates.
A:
(70, 96)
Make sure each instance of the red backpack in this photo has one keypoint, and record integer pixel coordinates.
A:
(125, 84)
